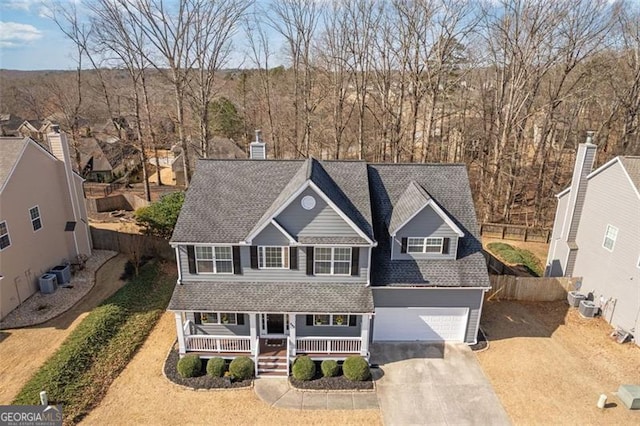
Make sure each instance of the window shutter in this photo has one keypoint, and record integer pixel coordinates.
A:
(240, 319)
(309, 260)
(352, 320)
(254, 257)
(445, 245)
(293, 258)
(309, 319)
(403, 248)
(197, 318)
(355, 261)
(237, 265)
(191, 257)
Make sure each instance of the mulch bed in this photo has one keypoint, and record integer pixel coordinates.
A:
(201, 382)
(330, 383)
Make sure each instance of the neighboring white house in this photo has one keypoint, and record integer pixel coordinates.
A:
(596, 236)
(43, 218)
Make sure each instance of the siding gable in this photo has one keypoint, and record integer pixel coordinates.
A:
(321, 221)
(427, 223)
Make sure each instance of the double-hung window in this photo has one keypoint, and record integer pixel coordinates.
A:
(214, 260)
(226, 318)
(273, 257)
(337, 320)
(424, 245)
(610, 237)
(332, 260)
(34, 215)
(5, 241)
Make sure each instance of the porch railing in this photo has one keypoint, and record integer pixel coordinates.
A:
(203, 343)
(328, 345)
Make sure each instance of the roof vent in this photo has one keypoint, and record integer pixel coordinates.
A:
(257, 148)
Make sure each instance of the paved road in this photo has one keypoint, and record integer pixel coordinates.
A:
(24, 350)
(435, 385)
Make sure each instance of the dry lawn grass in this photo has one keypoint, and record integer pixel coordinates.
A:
(24, 350)
(548, 365)
(141, 395)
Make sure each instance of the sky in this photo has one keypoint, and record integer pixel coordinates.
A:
(29, 40)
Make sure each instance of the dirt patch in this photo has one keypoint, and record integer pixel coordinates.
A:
(203, 381)
(142, 395)
(549, 365)
(24, 350)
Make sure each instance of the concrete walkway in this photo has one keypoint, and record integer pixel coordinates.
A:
(278, 393)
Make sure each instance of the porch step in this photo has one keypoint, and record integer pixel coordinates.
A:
(272, 373)
(272, 366)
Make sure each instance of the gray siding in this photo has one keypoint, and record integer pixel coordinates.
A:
(271, 275)
(321, 221)
(271, 236)
(558, 249)
(427, 223)
(304, 330)
(220, 329)
(433, 298)
(579, 185)
(611, 200)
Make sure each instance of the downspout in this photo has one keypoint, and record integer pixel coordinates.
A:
(179, 281)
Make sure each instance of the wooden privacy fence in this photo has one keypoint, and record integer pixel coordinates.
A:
(122, 242)
(533, 289)
(515, 232)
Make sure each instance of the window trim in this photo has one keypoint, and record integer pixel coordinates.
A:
(284, 252)
(345, 322)
(38, 218)
(425, 245)
(218, 315)
(7, 234)
(613, 239)
(332, 261)
(213, 260)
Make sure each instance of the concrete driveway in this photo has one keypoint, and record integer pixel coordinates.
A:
(435, 384)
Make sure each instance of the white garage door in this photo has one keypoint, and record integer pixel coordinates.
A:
(429, 324)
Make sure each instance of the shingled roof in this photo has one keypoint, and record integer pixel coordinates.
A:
(632, 166)
(10, 150)
(448, 186)
(308, 297)
(412, 200)
(234, 198)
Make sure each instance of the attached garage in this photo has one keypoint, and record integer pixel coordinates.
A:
(424, 324)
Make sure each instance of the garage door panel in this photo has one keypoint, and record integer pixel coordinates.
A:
(423, 324)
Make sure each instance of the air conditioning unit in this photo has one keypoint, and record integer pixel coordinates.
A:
(574, 298)
(48, 283)
(588, 309)
(63, 272)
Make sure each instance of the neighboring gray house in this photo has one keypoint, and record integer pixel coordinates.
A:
(596, 235)
(279, 258)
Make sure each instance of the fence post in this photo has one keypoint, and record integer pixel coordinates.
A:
(525, 235)
(503, 230)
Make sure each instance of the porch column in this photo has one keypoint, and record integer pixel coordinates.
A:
(179, 328)
(292, 333)
(364, 334)
(253, 332)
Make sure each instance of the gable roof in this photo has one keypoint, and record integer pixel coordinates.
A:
(249, 193)
(10, 152)
(630, 164)
(447, 183)
(313, 174)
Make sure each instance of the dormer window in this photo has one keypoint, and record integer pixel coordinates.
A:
(424, 245)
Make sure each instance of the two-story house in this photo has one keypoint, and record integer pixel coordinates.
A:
(279, 258)
(596, 235)
(43, 218)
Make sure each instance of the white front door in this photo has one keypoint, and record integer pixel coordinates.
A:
(423, 324)
(274, 325)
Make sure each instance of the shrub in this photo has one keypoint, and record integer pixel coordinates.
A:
(160, 218)
(356, 368)
(329, 368)
(216, 367)
(189, 366)
(304, 368)
(241, 368)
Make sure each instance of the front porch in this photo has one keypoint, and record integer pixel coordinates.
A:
(273, 338)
